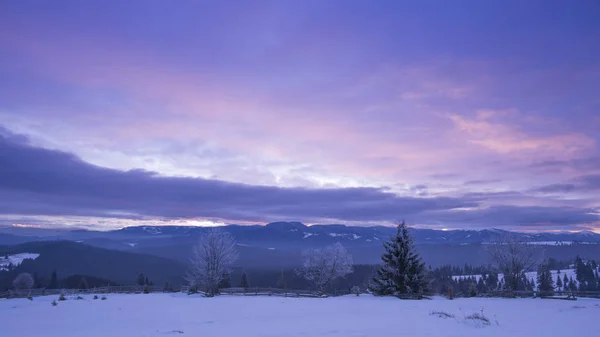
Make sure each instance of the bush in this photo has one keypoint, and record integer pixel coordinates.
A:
(472, 290)
(103, 298)
(62, 297)
(79, 298)
(54, 303)
(441, 314)
(479, 317)
(355, 290)
(95, 297)
(30, 298)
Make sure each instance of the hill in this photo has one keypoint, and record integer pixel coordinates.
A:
(71, 258)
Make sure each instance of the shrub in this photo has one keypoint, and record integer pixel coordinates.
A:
(79, 298)
(355, 290)
(103, 298)
(472, 290)
(30, 298)
(62, 297)
(95, 297)
(54, 303)
(441, 314)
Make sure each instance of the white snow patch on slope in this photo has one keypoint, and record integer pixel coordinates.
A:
(16, 259)
(155, 315)
(306, 235)
(530, 275)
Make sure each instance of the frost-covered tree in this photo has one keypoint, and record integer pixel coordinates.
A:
(211, 258)
(402, 270)
(321, 266)
(513, 258)
(23, 281)
(544, 280)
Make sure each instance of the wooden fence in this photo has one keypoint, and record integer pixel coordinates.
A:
(255, 291)
(149, 289)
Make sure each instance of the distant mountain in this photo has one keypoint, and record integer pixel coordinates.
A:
(280, 244)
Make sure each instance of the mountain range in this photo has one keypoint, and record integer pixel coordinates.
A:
(280, 244)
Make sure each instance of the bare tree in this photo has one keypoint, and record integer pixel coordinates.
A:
(513, 258)
(323, 265)
(23, 281)
(211, 257)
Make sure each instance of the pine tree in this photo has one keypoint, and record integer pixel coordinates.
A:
(83, 283)
(225, 283)
(565, 281)
(559, 283)
(402, 271)
(244, 282)
(281, 284)
(53, 281)
(141, 279)
(167, 288)
(544, 280)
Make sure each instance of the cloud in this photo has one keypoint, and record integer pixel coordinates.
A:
(36, 181)
(519, 217)
(48, 182)
(485, 130)
(584, 183)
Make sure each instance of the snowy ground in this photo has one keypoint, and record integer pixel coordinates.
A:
(349, 316)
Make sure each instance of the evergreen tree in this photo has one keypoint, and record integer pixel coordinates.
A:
(565, 281)
(167, 288)
(559, 283)
(402, 271)
(225, 283)
(281, 284)
(53, 281)
(141, 279)
(244, 282)
(37, 283)
(83, 284)
(579, 270)
(544, 280)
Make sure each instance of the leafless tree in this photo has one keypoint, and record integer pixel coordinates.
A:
(323, 265)
(211, 257)
(23, 281)
(513, 258)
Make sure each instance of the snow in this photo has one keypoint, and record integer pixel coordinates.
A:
(306, 235)
(179, 314)
(16, 259)
(351, 236)
(530, 275)
(131, 244)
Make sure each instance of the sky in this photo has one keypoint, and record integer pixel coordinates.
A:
(446, 114)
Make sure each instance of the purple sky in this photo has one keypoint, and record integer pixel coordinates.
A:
(447, 114)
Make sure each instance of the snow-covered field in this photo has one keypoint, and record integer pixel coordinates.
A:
(16, 259)
(349, 316)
